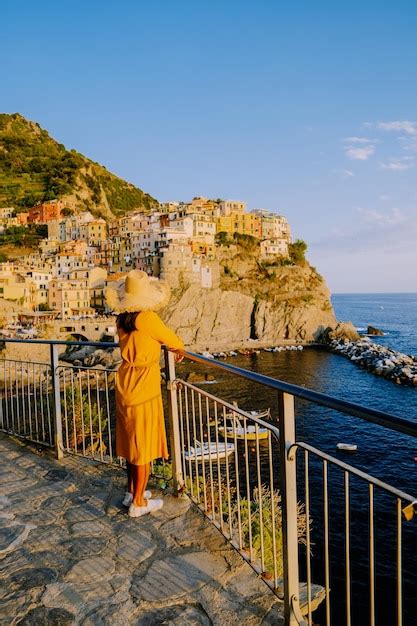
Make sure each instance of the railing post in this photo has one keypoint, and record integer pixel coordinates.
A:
(174, 424)
(292, 612)
(56, 392)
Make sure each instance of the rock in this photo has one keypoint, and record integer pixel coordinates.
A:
(91, 570)
(182, 575)
(33, 577)
(380, 360)
(42, 616)
(294, 305)
(194, 377)
(372, 330)
(342, 331)
(136, 547)
(176, 615)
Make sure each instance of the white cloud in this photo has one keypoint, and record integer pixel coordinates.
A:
(359, 140)
(408, 143)
(399, 165)
(344, 173)
(381, 218)
(360, 154)
(410, 128)
(384, 196)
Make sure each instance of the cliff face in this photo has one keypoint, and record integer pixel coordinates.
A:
(252, 303)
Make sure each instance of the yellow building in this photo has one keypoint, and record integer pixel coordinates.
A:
(95, 278)
(70, 297)
(20, 289)
(94, 232)
(242, 223)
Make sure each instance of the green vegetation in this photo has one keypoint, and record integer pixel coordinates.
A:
(260, 519)
(82, 428)
(34, 168)
(297, 251)
(24, 236)
(222, 238)
(246, 241)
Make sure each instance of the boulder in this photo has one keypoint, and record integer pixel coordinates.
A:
(342, 331)
(372, 330)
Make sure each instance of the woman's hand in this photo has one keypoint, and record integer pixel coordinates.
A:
(178, 357)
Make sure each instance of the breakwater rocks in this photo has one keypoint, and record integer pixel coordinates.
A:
(382, 361)
(89, 356)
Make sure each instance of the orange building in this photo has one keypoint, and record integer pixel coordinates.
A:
(42, 213)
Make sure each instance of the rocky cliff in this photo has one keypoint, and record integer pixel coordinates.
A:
(268, 304)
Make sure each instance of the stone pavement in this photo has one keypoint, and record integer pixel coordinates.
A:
(69, 553)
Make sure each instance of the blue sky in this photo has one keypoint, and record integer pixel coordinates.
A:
(305, 108)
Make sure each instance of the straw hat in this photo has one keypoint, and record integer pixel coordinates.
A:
(138, 293)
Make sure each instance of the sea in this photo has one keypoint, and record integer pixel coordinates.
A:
(384, 454)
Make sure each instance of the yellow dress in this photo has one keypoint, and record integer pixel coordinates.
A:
(140, 426)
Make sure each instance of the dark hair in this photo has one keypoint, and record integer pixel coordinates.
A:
(127, 321)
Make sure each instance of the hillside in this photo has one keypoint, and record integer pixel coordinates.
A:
(34, 167)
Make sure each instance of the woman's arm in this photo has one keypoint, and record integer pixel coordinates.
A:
(160, 332)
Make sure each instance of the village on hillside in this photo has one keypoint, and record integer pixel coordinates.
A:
(82, 254)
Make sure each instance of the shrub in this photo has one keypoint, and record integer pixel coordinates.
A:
(222, 238)
(82, 424)
(297, 251)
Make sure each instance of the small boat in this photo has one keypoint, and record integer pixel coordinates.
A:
(236, 429)
(240, 432)
(232, 353)
(208, 355)
(209, 450)
(264, 414)
(347, 447)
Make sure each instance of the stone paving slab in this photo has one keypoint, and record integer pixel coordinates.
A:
(69, 553)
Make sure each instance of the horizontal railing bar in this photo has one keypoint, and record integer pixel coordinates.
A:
(374, 416)
(24, 362)
(85, 368)
(353, 470)
(380, 418)
(54, 342)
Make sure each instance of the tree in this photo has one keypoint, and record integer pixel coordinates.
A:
(297, 251)
(221, 238)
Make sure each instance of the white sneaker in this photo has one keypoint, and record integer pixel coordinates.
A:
(128, 499)
(138, 511)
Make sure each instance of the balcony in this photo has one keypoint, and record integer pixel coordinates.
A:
(241, 491)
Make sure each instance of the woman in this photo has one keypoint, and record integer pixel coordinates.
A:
(140, 427)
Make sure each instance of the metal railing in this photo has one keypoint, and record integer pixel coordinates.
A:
(293, 511)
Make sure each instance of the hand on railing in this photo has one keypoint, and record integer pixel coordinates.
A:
(178, 357)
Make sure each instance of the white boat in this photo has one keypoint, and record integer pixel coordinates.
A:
(209, 450)
(347, 447)
(232, 353)
(238, 431)
(208, 355)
